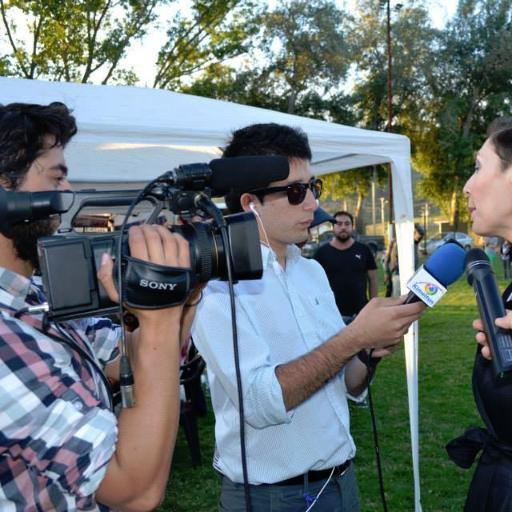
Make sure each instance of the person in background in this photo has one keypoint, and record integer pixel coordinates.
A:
(319, 217)
(350, 267)
(491, 248)
(489, 194)
(505, 258)
(419, 234)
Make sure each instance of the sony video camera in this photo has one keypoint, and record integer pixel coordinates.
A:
(69, 260)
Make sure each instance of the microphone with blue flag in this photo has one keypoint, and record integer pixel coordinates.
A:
(430, 281)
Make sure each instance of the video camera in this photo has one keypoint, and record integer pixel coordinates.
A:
(69, 260)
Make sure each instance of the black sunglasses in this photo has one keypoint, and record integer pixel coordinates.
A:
(296, 192)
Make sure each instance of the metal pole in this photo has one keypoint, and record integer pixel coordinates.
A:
(382, 220)
(426, 221)
(389, 99)
(374, 180)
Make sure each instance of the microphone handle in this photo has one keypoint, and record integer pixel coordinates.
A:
(412, 297)
(491, 307)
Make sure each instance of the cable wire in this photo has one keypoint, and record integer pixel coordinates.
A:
(206, 203)
(375, 434)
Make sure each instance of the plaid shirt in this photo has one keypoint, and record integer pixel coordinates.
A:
(57, 434)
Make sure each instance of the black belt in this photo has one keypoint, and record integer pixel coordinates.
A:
(315, 476)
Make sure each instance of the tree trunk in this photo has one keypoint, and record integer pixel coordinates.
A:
(455, 205)
(358, 213)
(292, 100)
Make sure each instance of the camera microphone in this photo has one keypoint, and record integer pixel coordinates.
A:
(247, 172)
(430, 281)
(27, 206)
(481, 277)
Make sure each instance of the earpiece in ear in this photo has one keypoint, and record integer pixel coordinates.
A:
(317, 202)
(252, 207)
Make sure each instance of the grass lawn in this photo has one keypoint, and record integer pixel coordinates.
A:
(447, 349)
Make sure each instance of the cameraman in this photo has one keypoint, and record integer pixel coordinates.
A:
(61, 447)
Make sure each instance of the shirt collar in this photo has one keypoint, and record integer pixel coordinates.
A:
(292, 255)
(16, 286)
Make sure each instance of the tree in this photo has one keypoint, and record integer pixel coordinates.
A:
(470, 84)
(306, 49)
(411, 49)
(73, 39)
(218, 30)
(358, 181)
(297, 63)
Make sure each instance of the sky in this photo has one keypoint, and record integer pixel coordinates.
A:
(142, 55)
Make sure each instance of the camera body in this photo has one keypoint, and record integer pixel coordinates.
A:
(69, 260)
(69, 263)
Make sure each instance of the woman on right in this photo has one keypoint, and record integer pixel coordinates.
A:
(489, 193)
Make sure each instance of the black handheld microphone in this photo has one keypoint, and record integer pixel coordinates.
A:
(481, 277)
(26, 206)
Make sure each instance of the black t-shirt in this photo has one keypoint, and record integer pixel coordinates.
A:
(347, 271)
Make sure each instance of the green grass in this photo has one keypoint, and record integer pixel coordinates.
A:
(446, 408)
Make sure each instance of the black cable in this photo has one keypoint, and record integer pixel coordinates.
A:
(219, 220)
(126, 380)
(369, 374)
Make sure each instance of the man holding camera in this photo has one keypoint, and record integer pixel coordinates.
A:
(298, 362)
(61, 446)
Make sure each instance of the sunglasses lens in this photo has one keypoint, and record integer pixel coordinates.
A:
(296, 193)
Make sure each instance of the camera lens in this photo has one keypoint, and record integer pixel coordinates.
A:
(208, 253)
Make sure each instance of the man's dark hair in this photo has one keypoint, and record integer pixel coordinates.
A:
(265, 139)
(347, 214)
(23, 128)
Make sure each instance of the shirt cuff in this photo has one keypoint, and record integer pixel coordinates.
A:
(265, 401)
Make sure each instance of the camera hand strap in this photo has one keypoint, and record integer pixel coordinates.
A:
(151, 286)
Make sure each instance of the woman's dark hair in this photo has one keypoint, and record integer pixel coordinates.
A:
(265, 139)
(23, 128)
(500, 135)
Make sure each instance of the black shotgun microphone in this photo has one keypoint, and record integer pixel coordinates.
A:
(27, 206)
(247, 172)
(481, 277)
(222, 175)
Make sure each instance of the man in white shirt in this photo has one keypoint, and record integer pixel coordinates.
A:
(298, 361)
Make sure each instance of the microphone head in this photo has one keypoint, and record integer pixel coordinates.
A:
(475, 255)
(247, 173)
(446, 264)
(475, 258)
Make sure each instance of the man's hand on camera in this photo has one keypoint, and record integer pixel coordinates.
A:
(155, 244)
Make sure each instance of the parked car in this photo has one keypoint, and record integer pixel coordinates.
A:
(441, 238)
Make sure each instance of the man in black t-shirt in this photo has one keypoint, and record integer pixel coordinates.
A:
(350, 267)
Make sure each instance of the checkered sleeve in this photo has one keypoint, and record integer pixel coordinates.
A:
(104, 336)
(54, 431)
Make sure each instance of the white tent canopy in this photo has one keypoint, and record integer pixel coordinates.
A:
(129, 135)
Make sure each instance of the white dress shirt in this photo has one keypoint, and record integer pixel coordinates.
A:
(281, 317)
